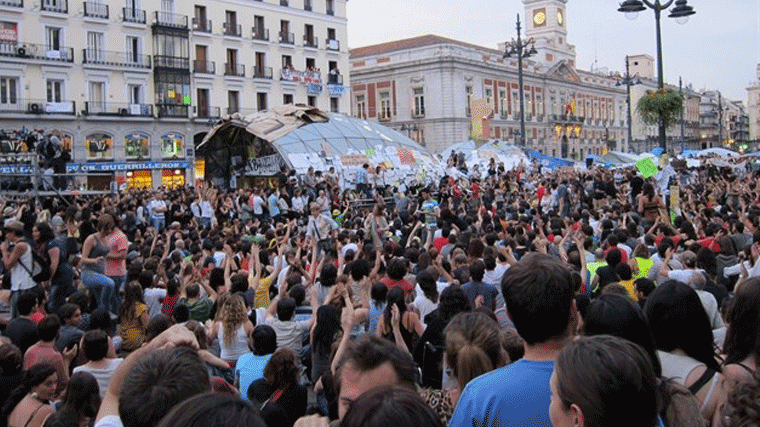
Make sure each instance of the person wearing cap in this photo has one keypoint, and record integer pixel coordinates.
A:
(17, 259)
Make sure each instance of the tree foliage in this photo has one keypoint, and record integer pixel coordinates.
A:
(660, 107)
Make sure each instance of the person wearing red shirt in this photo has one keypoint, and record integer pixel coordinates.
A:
(442, 241)
(395, 276)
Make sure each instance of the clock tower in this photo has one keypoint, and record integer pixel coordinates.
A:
(546, 23)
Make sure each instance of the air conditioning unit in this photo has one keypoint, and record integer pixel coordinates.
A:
(22, 51)
(36, 108)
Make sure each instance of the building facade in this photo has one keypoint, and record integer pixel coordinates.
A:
(425, 87)
(134, 84)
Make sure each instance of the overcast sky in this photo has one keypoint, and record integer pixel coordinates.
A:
(717, 48)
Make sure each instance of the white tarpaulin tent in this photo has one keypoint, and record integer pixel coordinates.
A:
(511, 155)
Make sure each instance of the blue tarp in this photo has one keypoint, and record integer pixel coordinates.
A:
(657, 151)
(548, 161)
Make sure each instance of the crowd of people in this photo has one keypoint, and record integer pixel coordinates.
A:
(495, 298)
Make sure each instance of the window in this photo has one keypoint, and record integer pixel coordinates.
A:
(306, 4)
(200, 21)
(361, 107)
(172, 145)
(332, 40)
(285, 35)
(329, 7)
(287, 61)
(94, 46)
(233, 101)
(137, 145)
(230, 23)
(54, 90)
(489, 95)
(261, 100)
(312, 101)
(232, 63)
(287, 98)
(99, 146)
(331, 34)
(311, 64)
(203, 103)
(133, 49)
(503, 104)
(8, 90)
(334, 105)
(515, 103)
(258, 28)
(539, 105)
(53, 38)
(261, 62)
(135, 92)
(97, 98)
(385, 106)
(419, 101)
(308, 36)
(469, 94)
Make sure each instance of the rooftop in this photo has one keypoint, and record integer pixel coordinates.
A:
(411, 43)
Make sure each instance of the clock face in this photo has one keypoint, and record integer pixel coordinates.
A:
(539, 18)
(560, 18)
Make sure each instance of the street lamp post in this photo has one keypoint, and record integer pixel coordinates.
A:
(681, 13)
(680, 91)
(521, 50)
(629, 81)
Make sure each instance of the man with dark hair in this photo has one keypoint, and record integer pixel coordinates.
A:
(539, 294)
(199, 306)
(476, 288)
(22, 330)
(153, 379)
(368, 362)
(44, 351)
(289, 331)
(95, 347)
(70, 334)
(250, 367)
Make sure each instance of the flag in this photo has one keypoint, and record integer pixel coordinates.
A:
(405, 156)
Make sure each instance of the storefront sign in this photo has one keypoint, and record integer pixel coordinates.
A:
(267, 165)
(130, 166)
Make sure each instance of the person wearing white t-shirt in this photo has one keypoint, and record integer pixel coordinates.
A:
(257, 203)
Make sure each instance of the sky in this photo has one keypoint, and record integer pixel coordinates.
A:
(717, 49)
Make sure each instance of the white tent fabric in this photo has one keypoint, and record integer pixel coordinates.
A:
(511, 155)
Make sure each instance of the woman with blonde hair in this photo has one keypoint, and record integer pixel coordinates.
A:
(472, 348)
(233, 329)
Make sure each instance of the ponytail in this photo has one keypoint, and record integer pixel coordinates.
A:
(471, 362)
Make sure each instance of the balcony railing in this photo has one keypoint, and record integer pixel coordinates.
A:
(117, 109)
(36, 51)
(136, 16)
(202, 26)
(167, 19)
(237, 70)
(233, 30)
(287, 38)
(172, 110)
(39, 106)
(262, 73)
(58, 6)
(171, 62)
(335, 79)
(207, 112)
(310, 41)
(204, 67)
(12, 3)
(95, 10)
(259, 33)
(332, 44)
(116, 59)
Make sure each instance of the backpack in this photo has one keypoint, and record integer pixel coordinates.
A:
(40, 270)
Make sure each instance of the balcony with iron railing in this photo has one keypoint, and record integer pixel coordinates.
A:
(208, 112)
(38, 106)
(287, 38)
(260, 33)
(175, 62)
(122, 109)
(204, 67)
(115, 59)
(166, 19)
(12, 3)
(95, 10)
(232, 30)
(57, 6)
(311, 42)
(36, 51)
(262, 73)
(135, 16)
(234, 70)
(334, 79)
(172, 110)
(202, 25)
(332, 44)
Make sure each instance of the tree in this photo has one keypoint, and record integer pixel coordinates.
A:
(662, 107)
